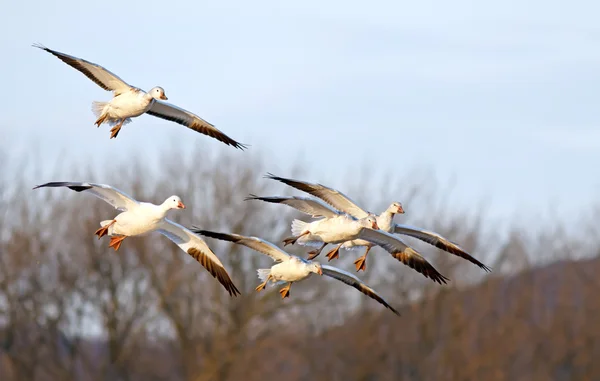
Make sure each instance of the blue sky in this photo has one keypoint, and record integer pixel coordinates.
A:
(500, 96)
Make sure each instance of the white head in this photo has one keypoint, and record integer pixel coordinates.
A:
(396, 208)
(370, 222)
(316, 268)
(158, 92)
(173, 202)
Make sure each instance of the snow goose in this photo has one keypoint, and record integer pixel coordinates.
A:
(385, 220)
(340, 229)
(290, 268)
(129, 102)
(139, 218)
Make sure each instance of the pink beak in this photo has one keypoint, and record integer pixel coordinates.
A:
(320, 271)
(400, 210)
(375, 226)
(180, 205)
(164, 97)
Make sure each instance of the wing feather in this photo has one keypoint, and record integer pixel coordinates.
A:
(402, 252)
(178, 115)
(353, 281)
(331, 196)
(199, 250)
(254, 243)
(310, 206)
(438, 241)
(118, 199)
(100, 75)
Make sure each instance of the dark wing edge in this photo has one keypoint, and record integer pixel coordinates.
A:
(208, 129)
(77, 187)
(420, 264)
(215, 270)
(72, 61)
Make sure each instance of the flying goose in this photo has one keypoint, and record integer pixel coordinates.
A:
(140, 218)
(385, 220)
(129, 101)
(340, 229)
(290, 268)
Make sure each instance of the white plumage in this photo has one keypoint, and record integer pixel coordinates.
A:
(140, 218)
(341, 203)
(129, 101)
(290, 268)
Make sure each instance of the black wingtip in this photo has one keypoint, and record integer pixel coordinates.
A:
(212, 234)
(39, 46)
(251, 197)
(240, 146)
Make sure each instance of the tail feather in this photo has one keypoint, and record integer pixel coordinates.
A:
(98, 108)
(298, 227)
(263, 274)
(101, 112)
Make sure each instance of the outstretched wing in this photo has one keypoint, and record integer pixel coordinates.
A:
(199, 250)
(254, 243)
(100, 75)
(310, 206)
(119, 200)
(353, 281)
(439, 242)
(175, 114)
(331, 196)
(402, 252)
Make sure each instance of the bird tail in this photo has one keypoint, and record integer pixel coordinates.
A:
(98, 108)
(298, 227)
(263, 274)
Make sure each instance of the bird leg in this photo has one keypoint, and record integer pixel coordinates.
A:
(285, 292)
(292, 240)
(361, 262)
(115, 241)
(335, 252)
(315, 253)
(104, 230)
(263, 284)
(101, 120)
(115, 130)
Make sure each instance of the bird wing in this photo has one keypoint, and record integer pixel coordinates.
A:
(119, 200)
(254, 243)
(438, 241)
(353, 281)
(331, 196)
(175, 114)
(402, 252)
(100, 75)
(199, 250)
(311, 206)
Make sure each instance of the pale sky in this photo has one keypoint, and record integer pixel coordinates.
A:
(501, 96)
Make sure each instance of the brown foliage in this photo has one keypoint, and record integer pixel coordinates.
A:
(71, 309)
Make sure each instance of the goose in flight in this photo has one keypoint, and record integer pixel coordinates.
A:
(385, 220)
(129, 102)
(340, 229)
(290, 268)
(139, 218)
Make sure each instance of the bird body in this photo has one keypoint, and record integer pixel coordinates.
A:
(290, 268)
(130, 102)
(331, 230)
(140, 218)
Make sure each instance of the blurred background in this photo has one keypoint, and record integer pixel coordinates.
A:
(481, 118)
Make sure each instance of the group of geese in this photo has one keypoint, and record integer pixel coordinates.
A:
(336, 218)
